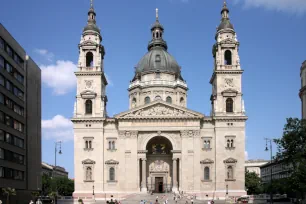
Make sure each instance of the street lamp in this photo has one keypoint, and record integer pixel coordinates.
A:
(58, 143)
(271, 158)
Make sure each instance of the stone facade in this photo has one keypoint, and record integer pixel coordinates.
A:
(254, 165)
(159, 144)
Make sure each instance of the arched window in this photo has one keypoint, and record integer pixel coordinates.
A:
(230, 174)
(109, 145)
(89, 59)
(205, 144)
(157, 34)
(229, 105)
(112, 174)
(228, 143)
(88, 108)
(208, 144)
(88, 174)
(134, 103)
(157, 98)
(182, 101)
(169, 99)
(147, 100)
(206, 173)
(89, 144)
(228, 57)
(161, 34)
(86, 144)
(113, 145)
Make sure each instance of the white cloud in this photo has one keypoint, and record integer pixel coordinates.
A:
(59, 76)
(57, 128)
(246, 155)
(292, 6)
(45, 53)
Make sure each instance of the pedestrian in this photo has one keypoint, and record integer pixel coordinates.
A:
(38, 201)
(141, 202)
(0, 201)
(191, 200)
(31, 202)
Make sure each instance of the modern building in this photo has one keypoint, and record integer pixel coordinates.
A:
(254, 165)
(303, 89)
(20, 119)
(52, 171)
(279, 170)
(159, 144)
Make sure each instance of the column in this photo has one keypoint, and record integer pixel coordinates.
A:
(144, 176)
(174, 175)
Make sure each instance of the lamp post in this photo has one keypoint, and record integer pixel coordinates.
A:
(58, 143)
(271, 160)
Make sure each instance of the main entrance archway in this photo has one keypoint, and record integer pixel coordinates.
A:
(160, 168)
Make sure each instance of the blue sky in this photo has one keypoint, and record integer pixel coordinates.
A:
(271, 33)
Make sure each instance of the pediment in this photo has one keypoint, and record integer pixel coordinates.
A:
(228, 41)
(88, 161)
(230, 160)
(89, 42)
(88, 94)
(207, 161)
(229, 92)
(159, 109)
(111, 161)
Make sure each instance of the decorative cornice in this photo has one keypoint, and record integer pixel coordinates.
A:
(86, 120)
(128, 133)
(206, 161)
(142, 151)
(88, 161)
(230, 161)
(230, 118)
(112, 161)
(227, 71)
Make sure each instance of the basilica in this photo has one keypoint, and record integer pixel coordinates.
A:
(159, 145)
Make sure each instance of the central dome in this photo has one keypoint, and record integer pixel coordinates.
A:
(158, 60)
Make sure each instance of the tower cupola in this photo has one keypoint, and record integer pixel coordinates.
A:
(157, 30)
(91, 22)
(225, 21)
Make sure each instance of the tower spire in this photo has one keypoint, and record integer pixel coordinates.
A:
(91, 3)
(157, 34)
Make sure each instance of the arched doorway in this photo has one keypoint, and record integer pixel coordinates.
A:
(159, 164)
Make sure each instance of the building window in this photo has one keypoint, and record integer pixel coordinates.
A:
(8, 121)
(111, 145)
(9, 51)
(147, 100)
(89, 59)
(1, 135)
(229, 105)
(88, 174)
(2, 80)
(133, 102)
(9, 68)
(19, 77)
(228, 57)
(1, 98)
(88, 105)
(206, 173)
(18, 110)
(112, 174)
(182, 101)
(230, 142)
(9, 86)
(1, 153)
(157, 58)
(88, 143)
(1, 62)
(206, 144)
(1, 117)
(9, 103)
(1, 172)
(8, 138)
(1, 43)
(158, 98)
(169, 99)
(230, 172)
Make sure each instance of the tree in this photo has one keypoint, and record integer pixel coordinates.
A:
(64, 186)
(46, 184)
(252, 183)
(8, 192)
(292, 151)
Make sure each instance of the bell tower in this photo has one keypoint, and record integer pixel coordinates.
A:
(91, 81)
(226, 98)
